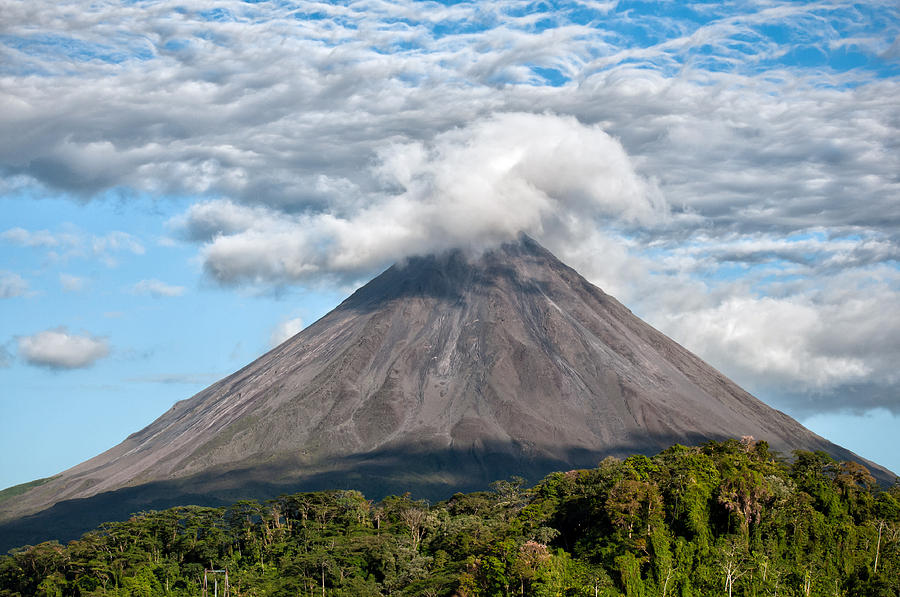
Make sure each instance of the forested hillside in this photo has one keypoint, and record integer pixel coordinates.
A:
(723, 519)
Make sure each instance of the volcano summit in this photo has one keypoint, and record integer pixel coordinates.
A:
(440, 375)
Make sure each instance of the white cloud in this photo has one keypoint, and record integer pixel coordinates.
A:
(25, 238)
(72, 243)
(12, 285)
(285, 330)
(59, 349)
(72, 283)
(205, 220)
(178, 378)
(474, 186)
(157, 288)
(772, 339)
(116, 241)
(701, 95)
(805, 336)
(809, 352)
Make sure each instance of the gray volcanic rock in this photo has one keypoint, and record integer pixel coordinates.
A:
(442, 374)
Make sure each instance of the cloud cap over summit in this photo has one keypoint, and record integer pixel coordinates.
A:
(475, 186)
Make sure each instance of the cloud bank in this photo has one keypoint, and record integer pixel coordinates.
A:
(60, 349)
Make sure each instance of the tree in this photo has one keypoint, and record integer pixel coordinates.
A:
(743, 494)
(417, 521)
(732, 561)
(635, 506)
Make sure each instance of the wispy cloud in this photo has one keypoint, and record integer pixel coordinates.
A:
(75, 244)
(12, 285)
(177, 378)
(157, 288)
(37, 238)
(6, 357)
(72, 283)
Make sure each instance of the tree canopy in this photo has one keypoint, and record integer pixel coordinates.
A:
(728, 518)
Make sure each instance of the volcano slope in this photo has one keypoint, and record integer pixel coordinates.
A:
(442, 374)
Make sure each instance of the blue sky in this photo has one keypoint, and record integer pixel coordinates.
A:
(185, 183)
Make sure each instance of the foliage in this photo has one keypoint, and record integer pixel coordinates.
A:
(725, 518)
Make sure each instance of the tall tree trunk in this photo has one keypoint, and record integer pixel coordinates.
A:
(878, 546)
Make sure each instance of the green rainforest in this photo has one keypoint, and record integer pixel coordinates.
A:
(729, 518)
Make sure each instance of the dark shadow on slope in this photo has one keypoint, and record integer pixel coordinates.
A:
(425, 472)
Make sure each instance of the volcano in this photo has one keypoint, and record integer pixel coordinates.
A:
(442, 374)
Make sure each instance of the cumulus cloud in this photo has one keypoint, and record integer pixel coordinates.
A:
(60, 349)
(206, 220)
(794, 345)
(473, 186)
(285, 330)
(12, 285)
(157, 288)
